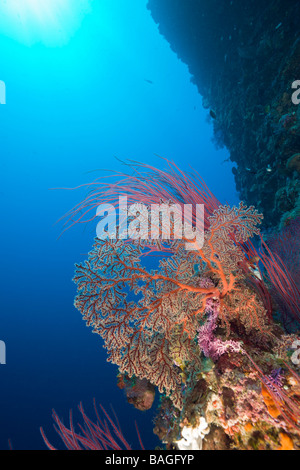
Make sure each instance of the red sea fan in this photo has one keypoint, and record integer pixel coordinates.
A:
(152, 330)
(149, 334)
(105, 434)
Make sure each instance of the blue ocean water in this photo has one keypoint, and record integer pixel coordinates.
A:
(110, 87)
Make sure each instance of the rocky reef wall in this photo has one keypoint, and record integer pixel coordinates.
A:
(244, 57)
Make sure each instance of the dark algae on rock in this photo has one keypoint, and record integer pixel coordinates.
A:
(244, 58)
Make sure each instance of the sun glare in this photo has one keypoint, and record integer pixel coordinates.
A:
(51, 22)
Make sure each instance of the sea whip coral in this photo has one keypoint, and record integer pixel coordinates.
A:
(104, 434)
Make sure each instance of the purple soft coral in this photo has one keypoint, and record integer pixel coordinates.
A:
(275, 381)
(210, 345)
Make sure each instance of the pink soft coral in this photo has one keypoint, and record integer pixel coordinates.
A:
(210, 345)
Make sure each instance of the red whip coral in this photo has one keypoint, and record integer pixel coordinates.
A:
(104, 434)
(146, 185)
(280, 258)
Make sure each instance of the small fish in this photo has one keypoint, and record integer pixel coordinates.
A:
(254, 270)
(148, 81)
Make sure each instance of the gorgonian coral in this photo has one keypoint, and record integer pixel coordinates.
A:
(149, 319)
(199, 326)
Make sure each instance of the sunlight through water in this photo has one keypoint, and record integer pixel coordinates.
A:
(50, 22)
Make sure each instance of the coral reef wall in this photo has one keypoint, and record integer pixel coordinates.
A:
(244, 57)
